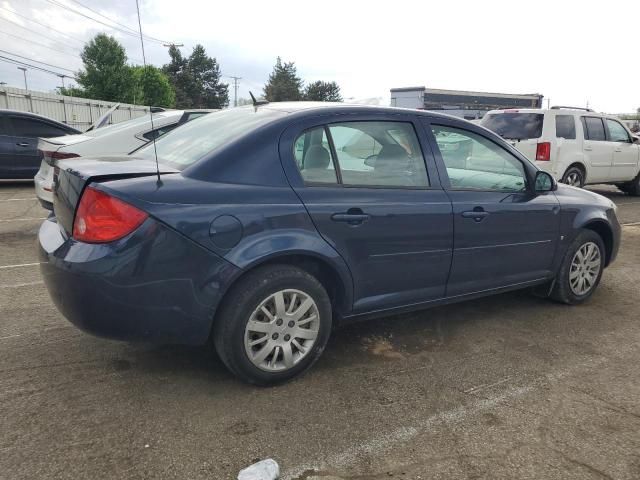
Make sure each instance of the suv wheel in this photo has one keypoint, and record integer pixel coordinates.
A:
(581, 269)
(574, 176)
(633, 187)
(273, 325)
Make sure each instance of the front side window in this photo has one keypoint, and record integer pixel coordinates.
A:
(474, 162)
(565, 127)
(383, 154)
(617, 132)
(594, 129)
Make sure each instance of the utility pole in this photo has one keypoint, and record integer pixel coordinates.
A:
(61, 75)
(24, 71)
(236, 80)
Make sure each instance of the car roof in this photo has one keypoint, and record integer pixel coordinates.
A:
(328, 108)
(6, 111)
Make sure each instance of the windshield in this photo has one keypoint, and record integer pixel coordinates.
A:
(189, 143)
(516, 126)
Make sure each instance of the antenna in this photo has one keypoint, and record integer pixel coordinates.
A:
(256, 102)
(144, 63)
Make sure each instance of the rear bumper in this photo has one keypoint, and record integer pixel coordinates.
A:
(154, 285)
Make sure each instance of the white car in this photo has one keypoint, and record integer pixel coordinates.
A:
(577, 146)
(119, 138)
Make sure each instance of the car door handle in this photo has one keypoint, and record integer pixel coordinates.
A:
(350, 218)
(588, 149)
(22, 144)
(477, 215)
(618, 150)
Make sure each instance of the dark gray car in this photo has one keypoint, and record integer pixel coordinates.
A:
(19, 133)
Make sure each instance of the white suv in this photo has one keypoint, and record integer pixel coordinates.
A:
(577, 146)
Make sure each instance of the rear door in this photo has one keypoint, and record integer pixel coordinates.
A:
(505, 235)
(625, 153)
(7, 149)
(373, 193)
(27, 130)
(598, 152)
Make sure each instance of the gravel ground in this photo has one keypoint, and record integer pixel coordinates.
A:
(505, 387)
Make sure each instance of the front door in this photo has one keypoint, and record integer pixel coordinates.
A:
(373, 194)
(505, 235)
(626, 154)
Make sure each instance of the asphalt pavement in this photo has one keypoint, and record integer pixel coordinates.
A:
(511, 386)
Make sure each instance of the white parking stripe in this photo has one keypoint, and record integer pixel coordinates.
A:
(26, 219)
(27, 284)
(18, 265)
(11, 336)
(30, 199)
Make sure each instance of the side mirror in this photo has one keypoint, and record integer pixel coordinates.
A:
(370, 161)
(635, 139)
(544, 182)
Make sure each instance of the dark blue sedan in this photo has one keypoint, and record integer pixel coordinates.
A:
(264, 226)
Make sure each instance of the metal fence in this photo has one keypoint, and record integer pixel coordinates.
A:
(74, 111)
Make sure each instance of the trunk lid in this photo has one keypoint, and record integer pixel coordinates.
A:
(70, 179)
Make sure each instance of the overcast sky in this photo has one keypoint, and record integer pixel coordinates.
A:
(571, 52)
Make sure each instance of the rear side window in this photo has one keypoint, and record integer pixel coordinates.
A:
(158, 132)
(565, 127)
(594, 129)
(375, 154)
(617, 133)
(32, 128)
(516, 126)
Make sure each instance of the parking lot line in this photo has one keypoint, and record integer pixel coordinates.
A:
(26, 219)
(26, 284)
(31, 199)
(18, 265)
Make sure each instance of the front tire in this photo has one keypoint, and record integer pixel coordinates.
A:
(581, 269)
(574, 176)
(273, 325)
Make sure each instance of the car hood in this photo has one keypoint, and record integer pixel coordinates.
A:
(568, 195)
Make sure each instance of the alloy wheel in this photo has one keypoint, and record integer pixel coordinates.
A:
(282, 330)
(585, 268)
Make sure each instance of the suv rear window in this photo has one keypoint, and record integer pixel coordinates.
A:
(565, 127)
(516, 126)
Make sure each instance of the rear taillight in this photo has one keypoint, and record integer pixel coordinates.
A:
(543, 152)
(102, 218)
(51, 156)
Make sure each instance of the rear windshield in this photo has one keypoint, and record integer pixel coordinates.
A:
(186, 145)
(516, 126)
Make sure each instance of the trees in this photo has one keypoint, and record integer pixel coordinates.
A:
(284, 83)
(152, 87)
(106, 75)
(196, 79)
(323, 92)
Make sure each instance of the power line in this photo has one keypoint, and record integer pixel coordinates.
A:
(41, 24)
(114, 21)
(34, 67)
(126, 30)
(32, 31)
(39, 44)
(37, 61)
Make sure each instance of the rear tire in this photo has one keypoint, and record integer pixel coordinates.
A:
(261, 332)
(574, 176)
(581, 269)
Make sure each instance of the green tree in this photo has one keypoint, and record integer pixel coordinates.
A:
(196, 79)
(323, 92)
(179, 77)
(152, 87)
(284, 83)
(106, 75)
